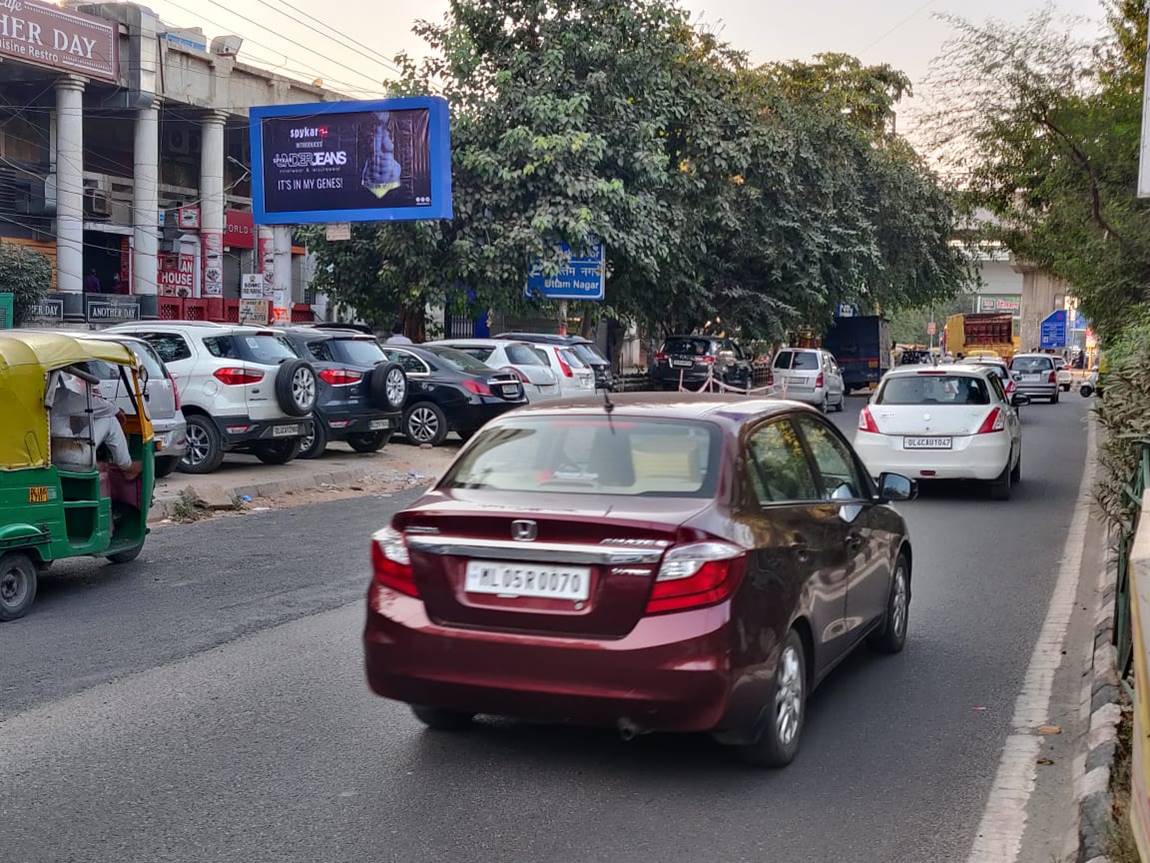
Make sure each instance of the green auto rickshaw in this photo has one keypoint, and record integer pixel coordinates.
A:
(64, 487)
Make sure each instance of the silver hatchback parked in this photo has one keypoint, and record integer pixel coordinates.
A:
(809, 375)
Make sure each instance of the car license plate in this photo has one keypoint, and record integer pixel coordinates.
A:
(379, 425)
(284, 431)
(537, 581)
(1032, 379)
(927, 443)
(682, 364)
(510, 391)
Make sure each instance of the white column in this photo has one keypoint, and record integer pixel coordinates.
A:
(146, 205)
(212, 201)
(281, 241)
(70, 191)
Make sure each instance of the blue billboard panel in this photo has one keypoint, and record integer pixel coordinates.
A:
(581, 278)
(1052, 333)
(385, 160)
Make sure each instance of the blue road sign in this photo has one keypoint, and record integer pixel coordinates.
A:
(1079, 321)
(846, 310)
(582, 278)
(1052, 334)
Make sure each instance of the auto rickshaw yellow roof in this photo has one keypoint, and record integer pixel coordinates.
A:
(26, 358)
(56, 350)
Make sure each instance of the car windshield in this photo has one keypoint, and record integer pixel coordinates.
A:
(933, 389)
(687, 347)
(360, 352)
(803, 361)
(1030, 365)
(589, 354)
(523, 355)
(461, 362)
(591, 455)
(571, 358)
(265, 348)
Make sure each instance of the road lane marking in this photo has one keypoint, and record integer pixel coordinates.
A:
(1003, 823)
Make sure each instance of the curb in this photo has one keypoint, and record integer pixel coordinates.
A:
(218, 496)
(1100, 714)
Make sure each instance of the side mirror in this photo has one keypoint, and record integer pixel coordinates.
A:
(1020, 399)
(895, 486)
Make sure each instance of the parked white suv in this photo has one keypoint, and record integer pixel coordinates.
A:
(241, 389)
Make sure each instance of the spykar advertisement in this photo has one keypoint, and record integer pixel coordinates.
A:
(351, 161)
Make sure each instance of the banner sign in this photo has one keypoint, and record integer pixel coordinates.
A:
(176, 276)
(239, 231)
(1000, 303)
(42, 33)
(582, 278)
(385, 160)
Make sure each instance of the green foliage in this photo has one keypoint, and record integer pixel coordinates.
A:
(720, 191)
(1124, 412)
(26, 275)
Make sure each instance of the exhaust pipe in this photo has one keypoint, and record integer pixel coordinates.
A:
(629, 730)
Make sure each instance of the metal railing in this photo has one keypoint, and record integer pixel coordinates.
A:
(1123, 632)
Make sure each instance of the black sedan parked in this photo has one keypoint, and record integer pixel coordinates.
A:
(361, 395)
(449, 390)
(694, 360)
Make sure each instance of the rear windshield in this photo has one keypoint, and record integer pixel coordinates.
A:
(1031, 364)
(461, 362)
(571, 358)
(361, 352)
(480, 354)
(148, 359)
(591, 455)
(523, 355)
(265, 348)
(589, 354)
(687, 347)
(933, 389)
(803, 361)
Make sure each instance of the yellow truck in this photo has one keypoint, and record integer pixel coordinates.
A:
(980, 334)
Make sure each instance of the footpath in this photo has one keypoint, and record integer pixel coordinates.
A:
(245, 483)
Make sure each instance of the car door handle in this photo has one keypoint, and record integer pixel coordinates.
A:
(801, 551)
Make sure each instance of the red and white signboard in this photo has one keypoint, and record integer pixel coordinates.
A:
(188, 218)
(176, 276)
(42, 33)
(239, 230)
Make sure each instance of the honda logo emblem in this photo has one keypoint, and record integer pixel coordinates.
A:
(523, 530)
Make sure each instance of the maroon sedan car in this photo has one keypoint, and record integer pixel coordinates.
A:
(662, 565)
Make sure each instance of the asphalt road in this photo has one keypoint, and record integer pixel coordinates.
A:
(207, 703)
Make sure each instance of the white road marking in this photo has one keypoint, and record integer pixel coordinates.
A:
(999, 837)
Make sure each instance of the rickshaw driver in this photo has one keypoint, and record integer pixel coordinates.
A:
(70, 417)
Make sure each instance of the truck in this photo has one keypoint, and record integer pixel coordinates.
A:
(862, 347)
(981, 332)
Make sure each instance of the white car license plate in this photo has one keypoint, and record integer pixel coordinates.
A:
(284, 431)
(539, 581)
(1032, 379)
(682, 364)
(927, 443)
(379, 425)
(510, 391)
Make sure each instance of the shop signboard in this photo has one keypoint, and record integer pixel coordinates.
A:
(176, 275)
(253, 311)
(1000, 303)
(384, 160)
(111, 308)
(49, 310)
(252, 286)
(42, 33)
(239, 230)
(188, 218)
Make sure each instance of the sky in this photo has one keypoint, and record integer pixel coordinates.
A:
(905, 33)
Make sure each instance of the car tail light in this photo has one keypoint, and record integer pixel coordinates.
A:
(867, 423)
(660, 357)
(340, 377)
(995, 422)
(235, 377)
(1052, 378)
(518, 373)
(175, 389)
(563, 366)
(391, 561)
(696, 575)
(820, 381)
(478, 387)
(708, 360)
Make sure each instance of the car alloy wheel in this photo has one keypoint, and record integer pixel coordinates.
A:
(789, 695)
(303, 388)
(198, 446)
(422, 425)
(899, 602)
(395, 385)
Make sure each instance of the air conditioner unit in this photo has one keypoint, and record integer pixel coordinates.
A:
(179, 140)
(96, 203)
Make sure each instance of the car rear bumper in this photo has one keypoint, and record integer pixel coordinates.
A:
(980, 457)
(241, 430)
(671, 673)
(341, 424)
(171, 438)
(1041, 391)
(806, 395)
(478, 413)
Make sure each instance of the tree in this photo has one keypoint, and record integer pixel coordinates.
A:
(26, 275)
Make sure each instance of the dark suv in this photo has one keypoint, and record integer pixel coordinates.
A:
(360, 394)
(692, 360)
(585, 349)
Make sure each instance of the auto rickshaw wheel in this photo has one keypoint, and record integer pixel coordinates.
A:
(126, 556)
(17, 585)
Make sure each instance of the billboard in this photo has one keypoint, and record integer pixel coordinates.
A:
(351, 161)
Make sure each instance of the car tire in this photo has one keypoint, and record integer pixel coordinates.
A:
(425, 422)
(891, 638)
(205, 450)
(825, 407)
(439, 719)
(276, 452)
(126, 556)
(785, 708)
(1054, 398)
(1000, 488)
(1016, 473)
(166, 466)
(18, 582)
(296, 388)
(314, 444)
(387, 387)
(368, 441)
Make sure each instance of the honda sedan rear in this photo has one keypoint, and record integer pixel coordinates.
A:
(660, 566)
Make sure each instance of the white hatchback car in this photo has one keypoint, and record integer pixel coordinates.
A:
(954, 422)
(241, 388)
(809, 375)
(575, 377)
(523, 360)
